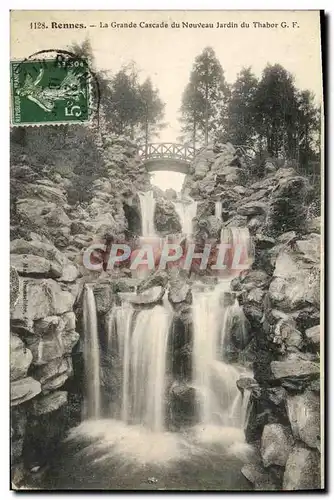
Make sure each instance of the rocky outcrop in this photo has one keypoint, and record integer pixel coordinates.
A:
(304, 415)
(302, 470)
(276, 445)
(280, 296)
(43, 335)
(214, 168)
(166, 220)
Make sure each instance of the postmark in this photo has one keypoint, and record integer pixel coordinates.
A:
(53, 87)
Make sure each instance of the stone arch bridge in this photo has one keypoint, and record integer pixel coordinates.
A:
(175, 157)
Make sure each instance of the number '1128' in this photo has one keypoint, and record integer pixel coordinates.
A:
(37, 26)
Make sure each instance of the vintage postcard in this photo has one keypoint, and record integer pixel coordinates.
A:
(166, 254)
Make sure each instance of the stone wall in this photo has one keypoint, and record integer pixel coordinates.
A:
(280, 296)
(48, 237)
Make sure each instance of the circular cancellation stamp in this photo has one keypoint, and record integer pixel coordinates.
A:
(53, 87)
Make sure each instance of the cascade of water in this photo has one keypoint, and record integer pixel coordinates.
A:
(186, 212)
(91, 356)
(242, 242)
(214, 379)
(145, 366)
(218, 209)
(123, 325)
(143, 354)
(147, 207)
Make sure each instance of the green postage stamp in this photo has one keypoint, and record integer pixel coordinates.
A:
(49, 92)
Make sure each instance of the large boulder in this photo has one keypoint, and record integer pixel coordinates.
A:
(23, 390)
(208, 227)
(48, 403)
(313, 335)
(104, 297)
(20, 358)
(236, 221)
(166, 220)
(201, 168)
(276, 445)
(182, 399)
(229, 174)
(57, 218)
(179, 291)
(260, 478)
(26, 265)
(250, 279)
(304, 415)
(288, 206)
(38, 248)
(296, 281)
(286, 333)
(45, 190)
(314, 225)
(159, 278)
(147, 297)
(53, 374)
(41, 298)
(253, 208)
(294, 368)
(39, 257)
(53, 339)
(302, 470)
(206, 186)
(32, 210)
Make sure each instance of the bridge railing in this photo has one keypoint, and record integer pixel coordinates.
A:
(183, 152)
(167, 150)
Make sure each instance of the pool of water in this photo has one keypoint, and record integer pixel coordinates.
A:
(109, 455)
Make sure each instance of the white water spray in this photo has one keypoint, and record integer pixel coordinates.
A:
(143, 354)
(218, 209)
(147, 208)
(186, 212)
(91, 356)
(214, 379)
(119, 329)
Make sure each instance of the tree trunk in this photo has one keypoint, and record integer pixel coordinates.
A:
(146, 135)
(206, 112)
(194, 133)
(206, 115)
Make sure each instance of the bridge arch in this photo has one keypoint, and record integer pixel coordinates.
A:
(167, 156)
(178, 157)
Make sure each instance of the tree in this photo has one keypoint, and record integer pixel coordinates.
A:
(275, 111)
(308, 128)
(241, 110)
(190, 114)
(204, 99)
(151, 111)
(124, 103)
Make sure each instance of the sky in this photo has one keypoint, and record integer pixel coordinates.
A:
(167, 54)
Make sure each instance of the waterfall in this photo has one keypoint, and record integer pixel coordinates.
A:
(91, 356)
(123, 325)
(241, 238)
(218, 209)
(119, 329)
(145, 367)
(215, 379)
(147, 207)
(186, 212)
(241, 252)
